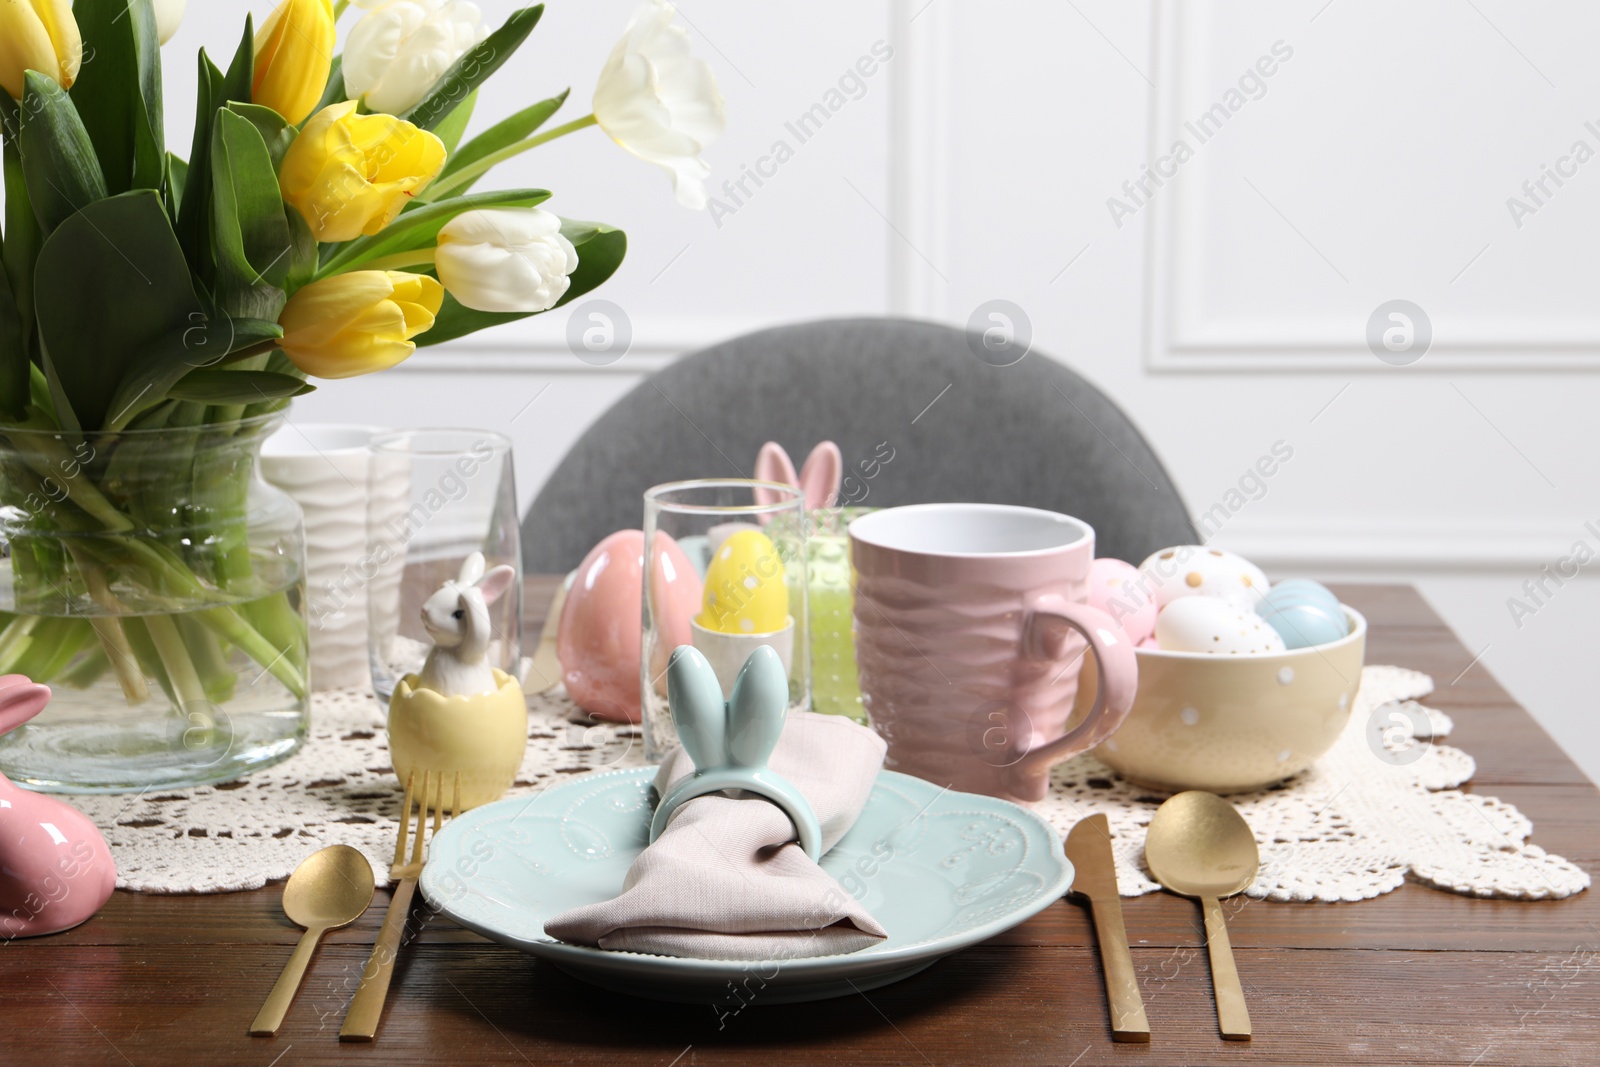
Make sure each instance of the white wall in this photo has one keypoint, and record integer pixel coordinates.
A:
(1225, 314)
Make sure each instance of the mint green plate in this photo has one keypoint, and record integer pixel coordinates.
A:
(940, 870)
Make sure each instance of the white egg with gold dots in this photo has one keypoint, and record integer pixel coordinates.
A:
(1208, 624)
(1195, 570)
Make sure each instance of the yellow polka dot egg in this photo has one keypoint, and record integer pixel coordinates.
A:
(1195, 570)
(745, 592)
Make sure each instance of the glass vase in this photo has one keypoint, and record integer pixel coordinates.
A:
(154, 581)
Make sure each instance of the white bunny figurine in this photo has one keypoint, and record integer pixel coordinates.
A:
(457, 618)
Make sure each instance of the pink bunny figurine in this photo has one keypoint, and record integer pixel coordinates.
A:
(55, 868)
(819, 479)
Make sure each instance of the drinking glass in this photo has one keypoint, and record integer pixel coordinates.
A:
(688, 526)
(434, 497)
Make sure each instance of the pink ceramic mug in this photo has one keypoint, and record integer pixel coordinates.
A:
(970, 628)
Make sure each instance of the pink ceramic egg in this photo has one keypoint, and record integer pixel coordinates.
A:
(55, 868)
(598, 643)
(1116, 589)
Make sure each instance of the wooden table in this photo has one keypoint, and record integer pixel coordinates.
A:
(1417, 976)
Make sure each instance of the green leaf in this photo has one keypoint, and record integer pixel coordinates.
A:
(204, 343)
(335, 92)
(237, 335)
(59, 404)
(58, 158)
(420, 228)
(214, 386)
(238, 82)
(273, 128)
(504, 134)
(39, 393)
(600, 251)
(23, 236)
(473, 69)
(118, 91)
(14, 361)
(454, 126)
(177, 178)
(214, 91)
(114, 303)
(194, 209)
(302, 251)
(252, 233)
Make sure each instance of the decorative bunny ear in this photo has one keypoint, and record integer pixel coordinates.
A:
(471, 569)
(698, 712)
(756, 711)
(820, 477)
(773, 465)
(20, 700)
(819, 480)
(496, 582)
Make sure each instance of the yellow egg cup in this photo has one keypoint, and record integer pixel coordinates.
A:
(482, 737)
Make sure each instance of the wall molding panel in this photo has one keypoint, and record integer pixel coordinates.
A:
(920, 115)
(1318, 544)
(1213, 213)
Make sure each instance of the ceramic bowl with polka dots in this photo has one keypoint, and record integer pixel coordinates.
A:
(1230, 724)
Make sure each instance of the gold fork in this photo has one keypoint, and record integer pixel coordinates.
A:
(366, 1007)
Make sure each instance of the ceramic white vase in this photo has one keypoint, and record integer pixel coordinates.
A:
(324, 467)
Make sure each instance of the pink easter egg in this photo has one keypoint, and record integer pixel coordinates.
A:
(1116, 588)
(55, 868)
(599, 640)
(1150, 642)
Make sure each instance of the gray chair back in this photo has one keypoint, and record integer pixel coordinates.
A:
(957, 429)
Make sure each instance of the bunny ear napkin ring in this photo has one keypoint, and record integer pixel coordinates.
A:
(731, 742)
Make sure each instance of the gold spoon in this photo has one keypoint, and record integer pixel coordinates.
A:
(1198, 845)
(330, 889)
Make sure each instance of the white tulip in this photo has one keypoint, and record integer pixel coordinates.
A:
(659, 102)
(169, 15)
(401, 48)
(505, 259)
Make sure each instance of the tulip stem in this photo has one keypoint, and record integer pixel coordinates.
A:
(400, 260)
(473, 171)
(338, 8)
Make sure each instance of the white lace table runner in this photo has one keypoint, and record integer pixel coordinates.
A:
(1381, 805)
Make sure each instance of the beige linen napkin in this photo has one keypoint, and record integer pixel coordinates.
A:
(726, 878)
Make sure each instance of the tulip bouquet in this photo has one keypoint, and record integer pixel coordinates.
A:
(324, 224)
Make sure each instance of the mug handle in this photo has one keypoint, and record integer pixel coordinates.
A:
(1118, 673)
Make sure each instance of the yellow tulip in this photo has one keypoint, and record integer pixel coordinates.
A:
(358, 323)
(38, 35)
(350, 174)
(294, 54)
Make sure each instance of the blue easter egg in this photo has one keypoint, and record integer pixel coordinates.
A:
(1304, 589)
(1304, 613)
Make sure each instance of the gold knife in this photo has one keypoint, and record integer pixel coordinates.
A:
(1094, 875)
